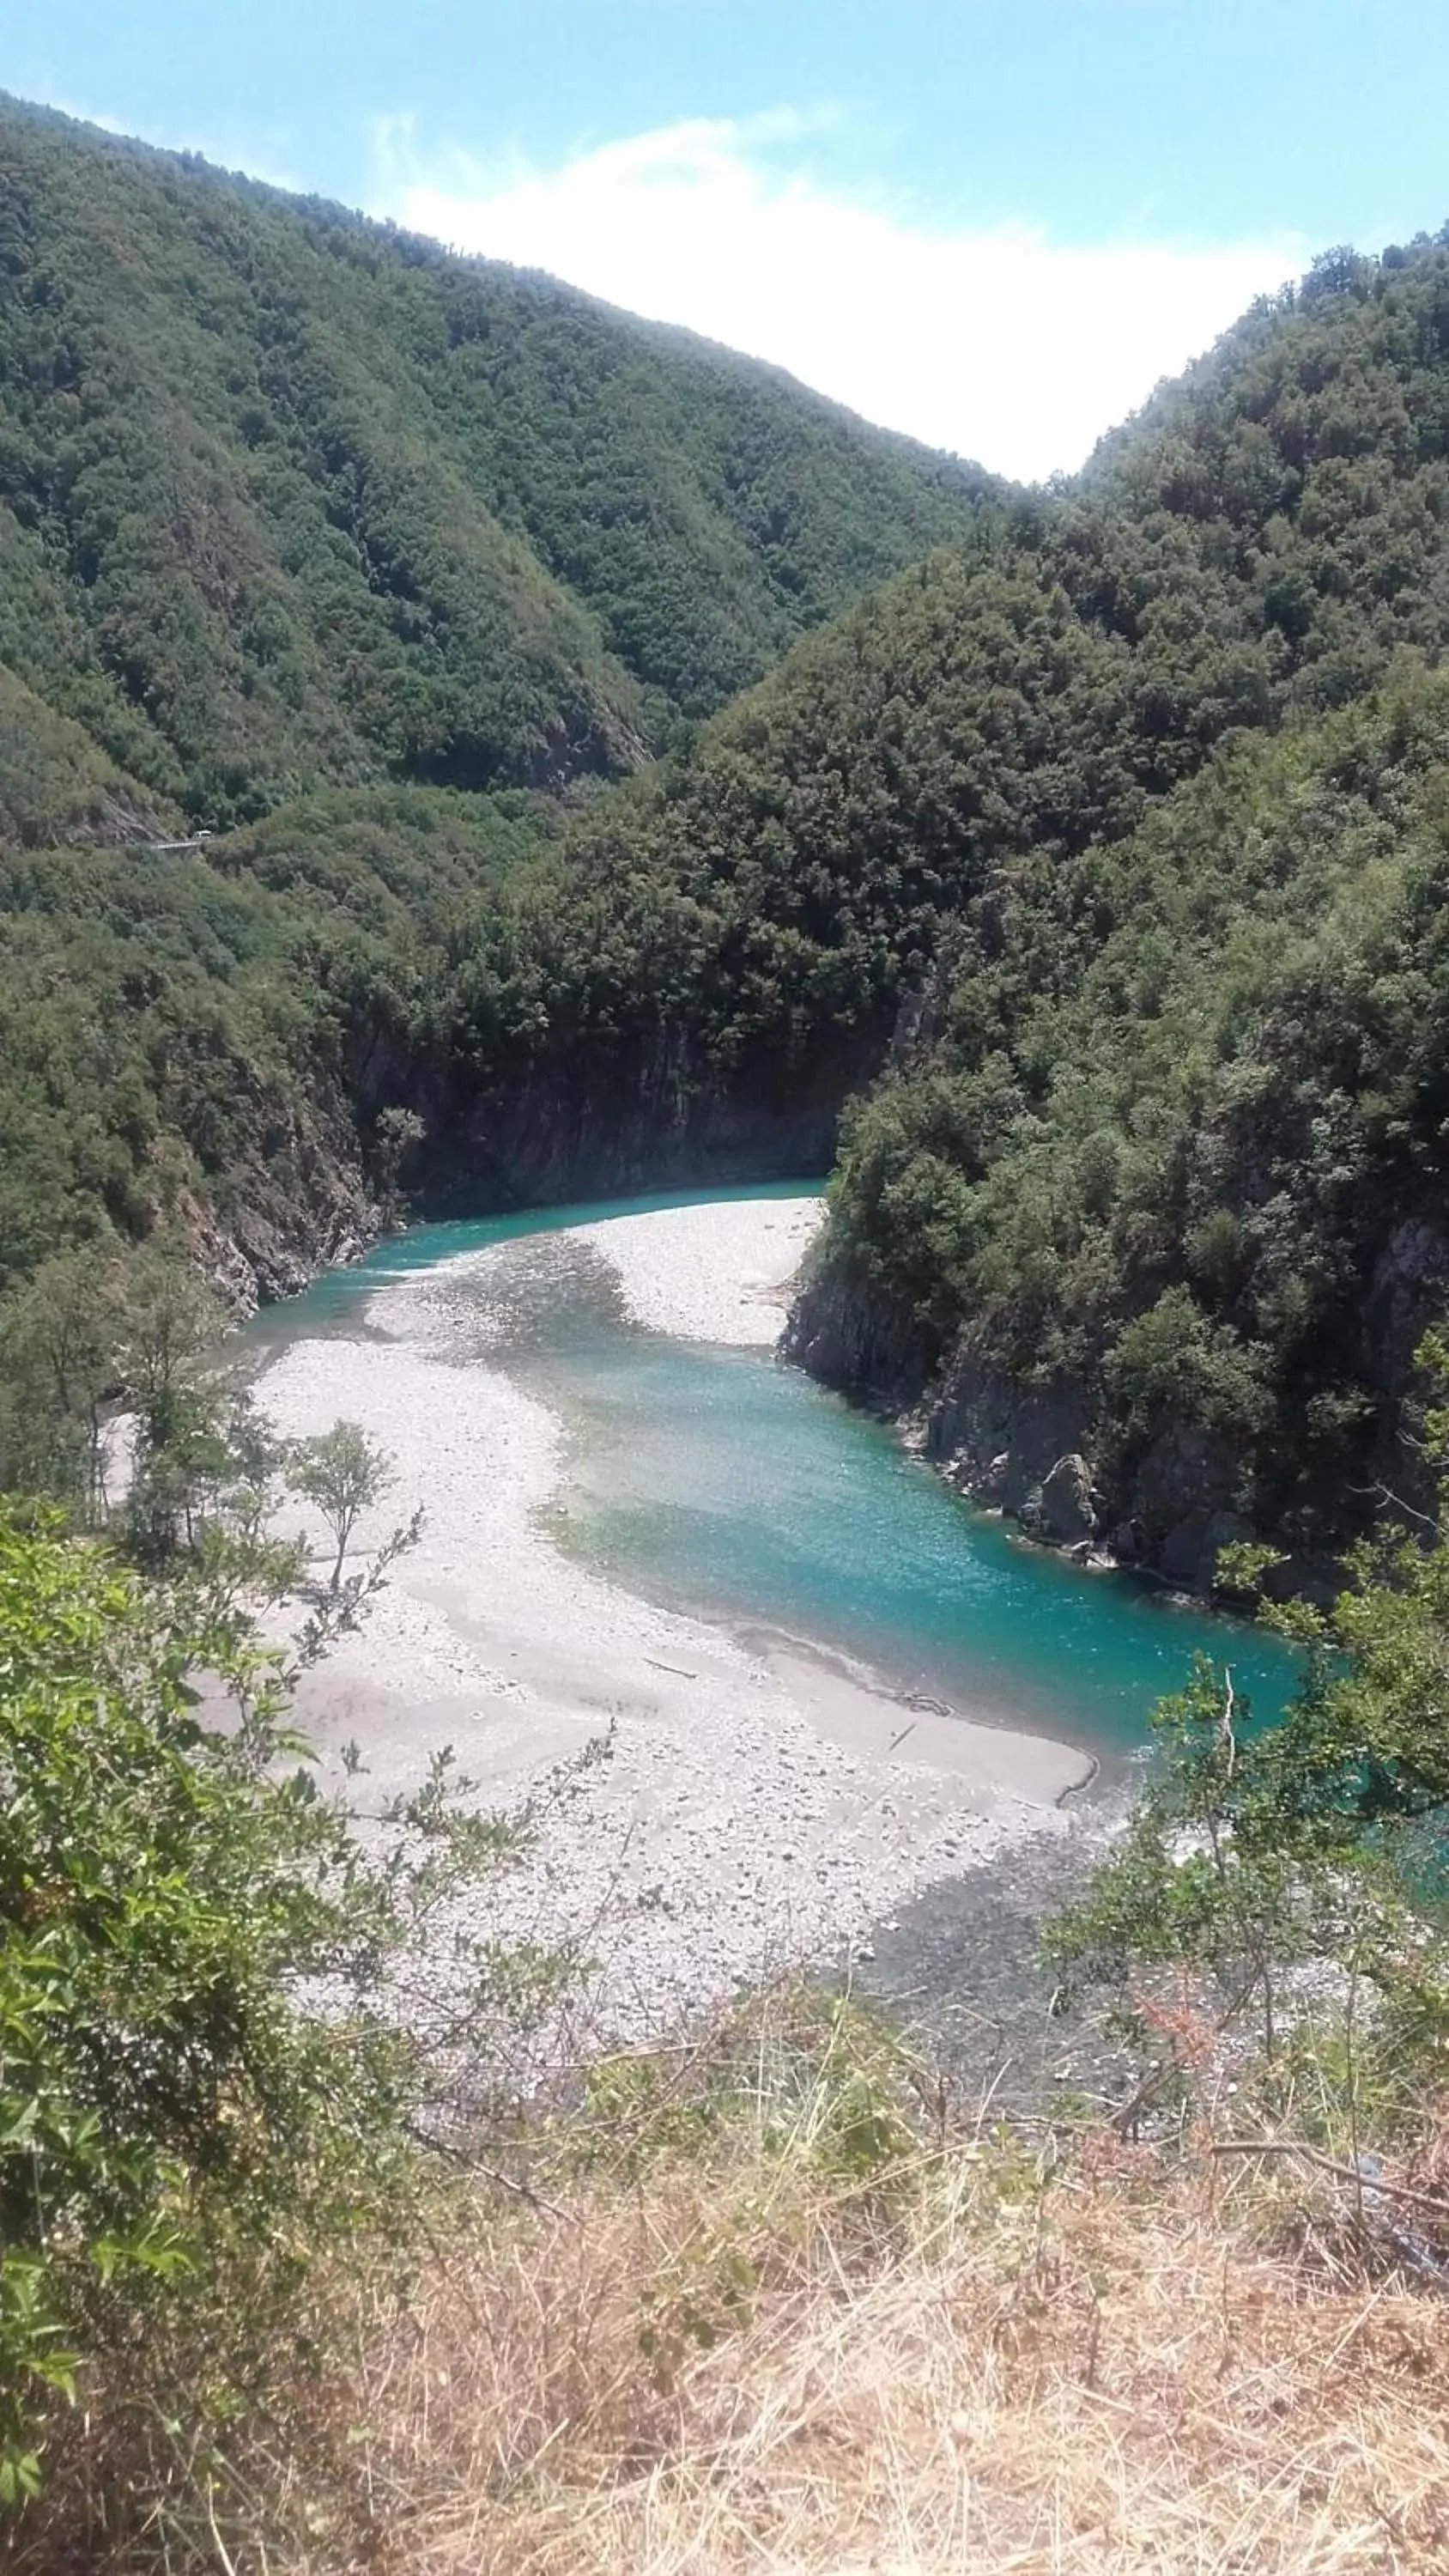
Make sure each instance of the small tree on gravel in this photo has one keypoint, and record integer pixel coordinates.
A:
(344, 1474)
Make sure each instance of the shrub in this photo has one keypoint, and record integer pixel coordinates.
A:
(200, 2088)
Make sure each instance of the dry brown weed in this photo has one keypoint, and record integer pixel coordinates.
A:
(728, 2358)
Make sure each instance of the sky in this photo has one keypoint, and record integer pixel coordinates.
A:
(993, 224)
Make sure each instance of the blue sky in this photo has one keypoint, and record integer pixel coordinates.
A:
(993, 223)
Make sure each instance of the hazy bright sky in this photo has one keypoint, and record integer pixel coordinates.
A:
(993, 223)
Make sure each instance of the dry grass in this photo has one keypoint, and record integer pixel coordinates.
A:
(1122, 2378)
(733, 2353)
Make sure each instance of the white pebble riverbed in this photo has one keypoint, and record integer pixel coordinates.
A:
(746, 1809)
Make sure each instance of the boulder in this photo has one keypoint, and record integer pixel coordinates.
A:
(1008, 1438)
(1066, 1511)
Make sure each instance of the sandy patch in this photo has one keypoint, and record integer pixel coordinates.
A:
(853, 1710)
(720, 1273)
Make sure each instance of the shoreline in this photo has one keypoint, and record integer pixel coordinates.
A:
(712, 1805)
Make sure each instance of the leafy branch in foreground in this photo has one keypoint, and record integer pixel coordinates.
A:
(202, 2087)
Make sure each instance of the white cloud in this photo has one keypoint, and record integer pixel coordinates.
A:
(999, 343)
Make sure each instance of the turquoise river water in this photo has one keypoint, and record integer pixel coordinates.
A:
(721, 1482)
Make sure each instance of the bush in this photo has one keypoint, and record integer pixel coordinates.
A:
(200, 2089)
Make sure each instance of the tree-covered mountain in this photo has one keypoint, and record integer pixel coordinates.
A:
(1119, 821)
(1109, 828)
(288, 498)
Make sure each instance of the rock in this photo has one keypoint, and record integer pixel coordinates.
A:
(1066, 1513)
(844, 1335)
(1003, 1441)
(1180, 1549)
(1187, 1476)
(1407, 1292)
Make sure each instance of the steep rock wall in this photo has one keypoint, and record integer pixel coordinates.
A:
(1032, 1451)
(601, 1124)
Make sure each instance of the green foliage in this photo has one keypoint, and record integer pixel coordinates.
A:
(288, 497)
(1121, 812)
(58, 1371)
(105, 1332)
(1322, 1838)
(1183, 1092)
(825, 2085)
(187, 1030)
(345, 1474)
(213, 2076)
(166, 2108)
(1173, 1364)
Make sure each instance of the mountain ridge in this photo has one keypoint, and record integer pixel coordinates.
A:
(1009, 854)
(289, 496)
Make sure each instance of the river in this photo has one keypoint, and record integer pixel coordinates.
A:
(720, 1482)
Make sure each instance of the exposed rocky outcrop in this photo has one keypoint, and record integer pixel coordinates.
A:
(555, 1128)
(551, 1133)
(255, 1261)
(1000, 1442)
(854, 1341)
(1063, 1509)
(1408, 1291)
(1031, 1451)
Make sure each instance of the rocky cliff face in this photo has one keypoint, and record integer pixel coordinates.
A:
(254, 1261)
(1033, 1452)
(562, 1133)
(849, 1340)
(639, 1114)
(1408, 1291)
(548, 1133)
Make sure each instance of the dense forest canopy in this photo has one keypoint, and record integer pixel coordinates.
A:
(1108, 824)
(290, 498)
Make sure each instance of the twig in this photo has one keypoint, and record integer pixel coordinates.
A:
(1152, 2082)
(218, 2544)
(1386, 1494)
(1227, 1741)
(1331, 2165)
(490, 2173)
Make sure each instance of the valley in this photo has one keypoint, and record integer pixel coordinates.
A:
(849, 1687)
(724, 1425)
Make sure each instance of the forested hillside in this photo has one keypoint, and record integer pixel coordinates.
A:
(461, 748)
(288, 498)
(1111, 825)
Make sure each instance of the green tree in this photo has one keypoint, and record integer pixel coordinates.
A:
(168, 1327)
(58, 1377)
(184, 2127)
(397, 1133)
(160, 1887)
(1325, 1836)
(344, 1474)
